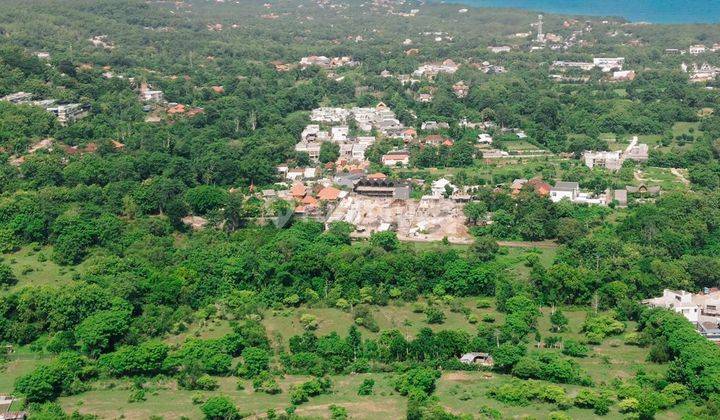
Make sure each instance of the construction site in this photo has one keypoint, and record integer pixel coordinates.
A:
(428, 219)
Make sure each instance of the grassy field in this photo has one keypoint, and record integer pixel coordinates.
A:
(32, 267)
(459, 392)
(685, 128)
(663, 177)
(110, 399)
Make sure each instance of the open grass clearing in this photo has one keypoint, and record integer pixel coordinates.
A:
(109, 399)
(33, 267)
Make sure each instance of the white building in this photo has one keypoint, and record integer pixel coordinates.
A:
(396, 157)
(607, 64)
(500, 49)
(439, 187)
(603, 159)
(484, 138)
(562, 190)
(69, 113)
(573, 65)
(697, 49)
(681, 302)
(339, 134)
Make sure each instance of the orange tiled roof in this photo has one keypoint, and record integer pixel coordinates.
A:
(309, 200)
(329, 194)
(298, 190)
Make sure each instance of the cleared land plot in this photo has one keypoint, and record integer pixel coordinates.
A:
(109, 399)
(31, 270)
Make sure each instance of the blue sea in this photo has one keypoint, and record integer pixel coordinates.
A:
(654, 11)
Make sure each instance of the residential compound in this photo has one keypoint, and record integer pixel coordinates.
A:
(352, 147)
(327, 63)
(702, 309)
(433, 69)
(65, 113)
(149, 95)
(701, 74)
(613, 160)
(603, 63)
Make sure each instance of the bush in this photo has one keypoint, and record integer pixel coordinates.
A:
(220, 408)
(628, 405)
(366, 388)
(206, 383)
(598, 402)
(364, 317)
(255, 360)
(309, 321)
(433, 315)
(312, 388)
(417, 379)
(550, 367)
(145, 359)
(575, 349)
(632, 339)
(338, 413)
(7, 277)
(483, 303)
(265, 382)
(597, 327)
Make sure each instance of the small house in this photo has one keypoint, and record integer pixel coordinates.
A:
(482, 359)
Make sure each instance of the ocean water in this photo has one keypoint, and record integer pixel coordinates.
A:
(654, 11)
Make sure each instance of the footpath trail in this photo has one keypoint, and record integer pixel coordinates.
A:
(680, 176)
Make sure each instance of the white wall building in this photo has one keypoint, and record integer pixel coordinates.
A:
(562, 190)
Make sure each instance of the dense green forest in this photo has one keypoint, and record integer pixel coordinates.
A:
(112, 306)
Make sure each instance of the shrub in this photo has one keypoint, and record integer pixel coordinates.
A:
(575, 349)
(311, 388)
(515, 392)
(364, 318)
(628, 405)
(598, 402)
(632, 339)
(419, 379)
(206, 383)
(676, 393)
(7, 277)
(265, 382)
(219, 408)
(483, 303)
(597, 327)
(309, 321)
(255, 360)
(433, 315)
(338, 413)
(366, 388)
(144, 359)
(550, 367)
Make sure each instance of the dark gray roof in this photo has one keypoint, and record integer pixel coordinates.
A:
(566, 186)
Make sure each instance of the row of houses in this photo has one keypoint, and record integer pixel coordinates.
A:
(606, 64)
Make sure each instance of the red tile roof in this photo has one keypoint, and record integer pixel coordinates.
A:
(328, 194)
